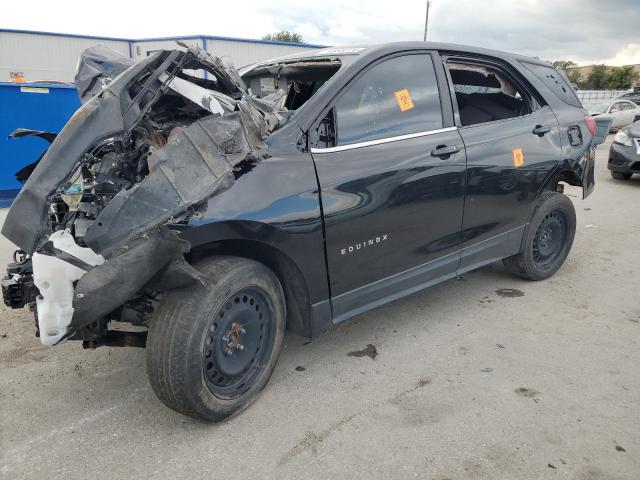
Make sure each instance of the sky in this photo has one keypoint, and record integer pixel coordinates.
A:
(585, 31)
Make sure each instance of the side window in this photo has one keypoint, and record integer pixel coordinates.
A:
(626, 106)
(616, 107)
(396, 97)
(485, 94)
(556, 81)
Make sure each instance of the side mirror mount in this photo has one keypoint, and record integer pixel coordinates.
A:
(323, 135)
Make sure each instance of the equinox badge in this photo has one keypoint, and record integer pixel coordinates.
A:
(366, 243)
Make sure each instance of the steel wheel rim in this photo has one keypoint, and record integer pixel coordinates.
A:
(238, 342)
(550, 239)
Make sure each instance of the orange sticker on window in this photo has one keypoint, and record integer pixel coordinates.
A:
(518, 157)
(404, 100)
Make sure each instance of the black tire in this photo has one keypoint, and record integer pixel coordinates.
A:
(548, 238)
(195, 362)
(620, 175)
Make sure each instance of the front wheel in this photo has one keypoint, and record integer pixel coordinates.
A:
(548, 238)
(212, 349)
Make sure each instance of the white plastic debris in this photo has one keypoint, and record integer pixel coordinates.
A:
(54, 278)
(197, 94)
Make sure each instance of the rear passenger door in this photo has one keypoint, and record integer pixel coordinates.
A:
(512, 143)
(391, 169)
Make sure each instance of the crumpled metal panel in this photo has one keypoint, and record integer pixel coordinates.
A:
(179, 172)
(26, 220)
(196, 163)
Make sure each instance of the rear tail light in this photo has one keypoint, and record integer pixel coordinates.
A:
(591, 124)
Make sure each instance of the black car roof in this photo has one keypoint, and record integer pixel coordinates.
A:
(362, 55)
(348, 53)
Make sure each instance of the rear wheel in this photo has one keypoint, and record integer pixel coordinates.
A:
(212, 349)
(548, 238)
(620, 175)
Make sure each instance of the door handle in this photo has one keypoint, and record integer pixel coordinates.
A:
(444, 151)
(540, 130)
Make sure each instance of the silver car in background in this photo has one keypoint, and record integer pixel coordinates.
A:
(623, 112)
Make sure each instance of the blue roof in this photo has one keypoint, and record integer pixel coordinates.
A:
(185, 37)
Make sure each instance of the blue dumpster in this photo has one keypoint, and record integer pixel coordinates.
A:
(37, 106)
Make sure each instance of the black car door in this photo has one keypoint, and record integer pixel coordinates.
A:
(392, 183)
(512, 143)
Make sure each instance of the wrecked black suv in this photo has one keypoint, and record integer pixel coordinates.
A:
(198, 211)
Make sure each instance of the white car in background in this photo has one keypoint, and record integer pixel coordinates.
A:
(623, 112)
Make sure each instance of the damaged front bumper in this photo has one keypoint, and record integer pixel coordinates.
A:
(145, 152)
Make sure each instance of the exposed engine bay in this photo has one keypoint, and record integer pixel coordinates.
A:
(150, 145)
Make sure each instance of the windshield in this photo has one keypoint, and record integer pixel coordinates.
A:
(288, 86)
(598, 108)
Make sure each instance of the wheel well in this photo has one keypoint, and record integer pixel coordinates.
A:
(565, 175)
(290, 277)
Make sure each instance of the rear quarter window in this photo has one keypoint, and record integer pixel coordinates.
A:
(556, 82)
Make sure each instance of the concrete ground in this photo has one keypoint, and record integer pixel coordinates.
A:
(487, 377)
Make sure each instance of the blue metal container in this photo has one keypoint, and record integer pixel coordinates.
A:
(37, 106)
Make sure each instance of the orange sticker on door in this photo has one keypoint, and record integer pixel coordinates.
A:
(518, 157)
(404, 100)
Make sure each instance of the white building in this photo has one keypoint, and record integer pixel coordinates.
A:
(49, 56)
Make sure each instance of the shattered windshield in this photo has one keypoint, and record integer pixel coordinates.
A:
(288, 86)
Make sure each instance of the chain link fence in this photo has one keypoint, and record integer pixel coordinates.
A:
(589, 97)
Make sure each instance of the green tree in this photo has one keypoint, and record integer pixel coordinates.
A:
(574, 76)
(597, 78)
(564, 64)
(622, 78)
(284, 36)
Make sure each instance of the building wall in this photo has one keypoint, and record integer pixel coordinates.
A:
(246, 53)
(141, 49)
(238, 52)
(53, 57)
(46, 57)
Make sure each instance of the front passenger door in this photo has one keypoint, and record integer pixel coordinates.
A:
(392, 185)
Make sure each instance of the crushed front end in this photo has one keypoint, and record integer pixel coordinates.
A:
(94, 222)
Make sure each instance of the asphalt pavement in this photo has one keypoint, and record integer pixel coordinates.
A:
(484, 377)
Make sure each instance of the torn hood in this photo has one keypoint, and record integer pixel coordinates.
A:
(97, 67)
(196, 131)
